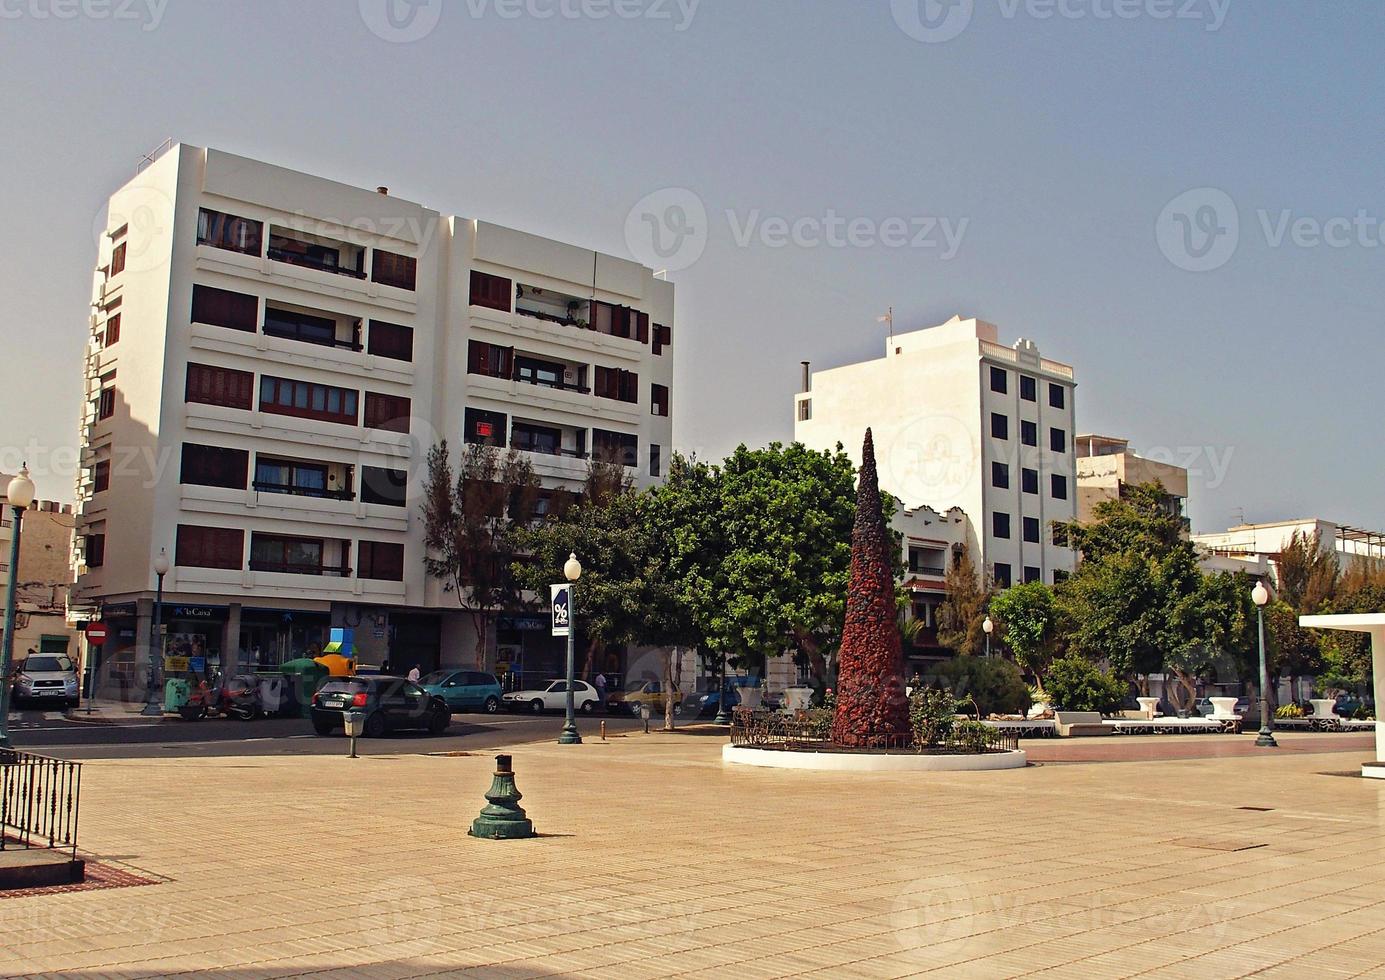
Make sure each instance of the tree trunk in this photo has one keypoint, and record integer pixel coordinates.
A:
(480, 625)
(592, 647)
(669, 688)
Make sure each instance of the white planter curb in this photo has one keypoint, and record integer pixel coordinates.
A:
(871, 762)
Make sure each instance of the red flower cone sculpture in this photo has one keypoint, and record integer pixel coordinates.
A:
(872, 709)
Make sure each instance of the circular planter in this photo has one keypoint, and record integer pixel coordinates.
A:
(871, 761)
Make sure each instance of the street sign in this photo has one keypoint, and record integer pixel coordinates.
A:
(175, 665)
(562, 609)
(96, 633)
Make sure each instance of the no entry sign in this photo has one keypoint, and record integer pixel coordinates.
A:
(96, 634)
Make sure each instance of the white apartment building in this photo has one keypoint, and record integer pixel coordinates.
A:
(962, 421)
(272, 355)
(1250, 547)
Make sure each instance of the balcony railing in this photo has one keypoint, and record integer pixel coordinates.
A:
(293, 257)
(550, 450)
(556, 385)
(920, 569)
(294, 568)
(283, 334)
(292, 490)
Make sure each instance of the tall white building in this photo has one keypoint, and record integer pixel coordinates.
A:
(272, 354)
(962, 421)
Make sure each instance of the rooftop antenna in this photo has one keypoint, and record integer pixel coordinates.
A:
(888, 320)
(1241, 512)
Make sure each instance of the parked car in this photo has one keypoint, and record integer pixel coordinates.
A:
(390, 703)
(48, 678)
(464, 690)
(707, 703)
(639, 694)
(553, 697)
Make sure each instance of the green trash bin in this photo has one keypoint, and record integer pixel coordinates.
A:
(304, 677)
(176, 693)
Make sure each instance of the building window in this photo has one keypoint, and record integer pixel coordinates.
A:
(1032, 574)
(1058, 440)
(619, 321)
(999, 381)
(1000, 476)
(387, 412)
(1060, 575)
(533, 438)
(1028, 388)
(1000, 525)
(381, 560)
(490, 360)
(117, 260)
(112, 333)
(615, 447)
(1000, 426)
(615, 383)
(392, 340)
(214, 466)
(1059, 486)
(301, 478)
(656, 463)
(805, 410)
(1029, 480)
(1057, 396)
(492, 292)
(94, 550)
(658, 399)
(663, 337)
(485, 428)
(228, 231)
(304, 399)
(223, 308)
(1029, 433)
(209, 547)
(209, 385)
(393, 269)
(310, 329)
(101, 476)
(290, 555)
(105, 401)
(1002, 575)
(382, 486)
(1031, 530)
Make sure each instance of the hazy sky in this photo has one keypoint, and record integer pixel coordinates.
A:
(1026, 161)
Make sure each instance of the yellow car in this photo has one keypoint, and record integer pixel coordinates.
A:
(638, 694)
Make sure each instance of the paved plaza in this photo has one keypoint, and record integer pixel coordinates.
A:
(656, 860)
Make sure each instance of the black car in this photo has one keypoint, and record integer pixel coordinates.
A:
(389, 703)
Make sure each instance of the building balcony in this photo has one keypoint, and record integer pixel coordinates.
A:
(261, 486)
(313, 327)
(316, 252)
(299, 568)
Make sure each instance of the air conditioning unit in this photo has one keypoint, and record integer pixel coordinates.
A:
(569, 375)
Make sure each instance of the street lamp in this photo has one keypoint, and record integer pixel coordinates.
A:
(572, 571)
(723, 717)
(21, 495)
(153, 705)
(988, 628)
(1261, 596)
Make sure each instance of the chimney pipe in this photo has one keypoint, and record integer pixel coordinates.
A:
(382, 190)
(807, 377)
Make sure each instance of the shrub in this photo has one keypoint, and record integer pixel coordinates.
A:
(972, 736)
(993, 682)
(1288, 711)
(1076, 684)
(931, 716)
(1363, 713)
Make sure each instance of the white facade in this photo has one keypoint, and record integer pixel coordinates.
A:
(962, 421)
(1256, 544)
(311, 341)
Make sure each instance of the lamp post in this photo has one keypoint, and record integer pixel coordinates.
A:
(1261, 596)
(572, 571)
(723, 716)
(21, 495)
(988, 628)
(153, 706)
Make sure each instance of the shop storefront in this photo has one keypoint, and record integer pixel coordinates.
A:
(527, 654)
(270, 637)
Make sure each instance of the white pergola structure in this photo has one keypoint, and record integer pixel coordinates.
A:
(1374, 624)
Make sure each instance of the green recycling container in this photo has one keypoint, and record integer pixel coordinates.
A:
(304, 677)
(176, 693)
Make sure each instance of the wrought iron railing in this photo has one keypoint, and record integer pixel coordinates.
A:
(39, 800)
(810, 730)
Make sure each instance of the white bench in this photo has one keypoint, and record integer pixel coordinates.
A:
(1080, 723)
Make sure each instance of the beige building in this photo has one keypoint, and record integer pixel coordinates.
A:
(45, 576)
(1106, 466)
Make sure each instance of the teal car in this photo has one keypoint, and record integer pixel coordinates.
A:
(464, 690)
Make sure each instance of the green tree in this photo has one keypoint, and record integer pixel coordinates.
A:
(1307, 573)
(1291, 650)
(963, 608)
(471, 518)
(1028, 620)
(1076, 684)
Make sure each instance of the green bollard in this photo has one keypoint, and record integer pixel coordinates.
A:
(502, 818)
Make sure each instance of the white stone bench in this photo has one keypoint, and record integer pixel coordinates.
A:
(1080, 723)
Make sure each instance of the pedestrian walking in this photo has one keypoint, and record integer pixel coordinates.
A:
(414, 674)
(600, 683)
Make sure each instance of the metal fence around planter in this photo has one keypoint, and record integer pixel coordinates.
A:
(811, 731)
(39, 798)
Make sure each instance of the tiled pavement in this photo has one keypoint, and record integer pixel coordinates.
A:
(657, 861)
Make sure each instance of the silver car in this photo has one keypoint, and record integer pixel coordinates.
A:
(49, 678)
